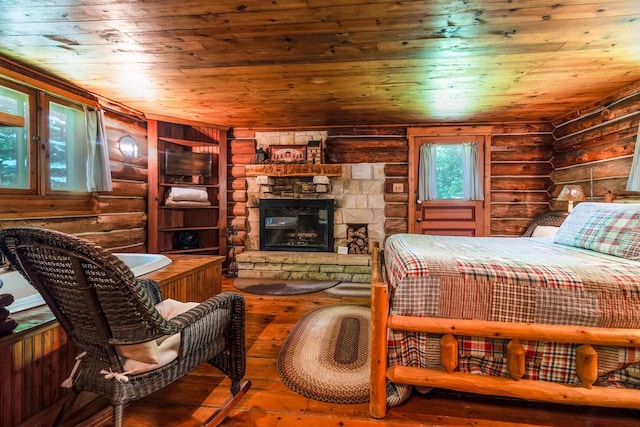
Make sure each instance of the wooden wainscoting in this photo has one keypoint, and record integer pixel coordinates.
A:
(36, 359)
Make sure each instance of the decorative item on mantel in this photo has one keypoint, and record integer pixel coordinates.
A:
(260, 156)
(571, 193)
(314, 152)
(287, 153)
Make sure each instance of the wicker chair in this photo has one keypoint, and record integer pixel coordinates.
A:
(102, 306)
(551, 218)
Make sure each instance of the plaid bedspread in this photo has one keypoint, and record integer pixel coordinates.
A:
(512, 280)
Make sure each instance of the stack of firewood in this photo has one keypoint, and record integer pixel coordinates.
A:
(357, 239)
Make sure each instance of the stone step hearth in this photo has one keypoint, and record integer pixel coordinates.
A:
(304, 266)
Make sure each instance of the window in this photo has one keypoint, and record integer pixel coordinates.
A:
(450, 171)
(67, 148)
(16, 155)
(49, 160)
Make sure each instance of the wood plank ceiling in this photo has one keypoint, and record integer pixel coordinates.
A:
(282, 63)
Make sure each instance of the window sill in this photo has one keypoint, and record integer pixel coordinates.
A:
(51, 206)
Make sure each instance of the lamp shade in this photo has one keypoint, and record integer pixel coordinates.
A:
(572, 193)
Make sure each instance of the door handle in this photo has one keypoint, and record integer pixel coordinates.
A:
(419, 220)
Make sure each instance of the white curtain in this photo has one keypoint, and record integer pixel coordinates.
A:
(471, 173)
(427, 189)
(98, 171)
(634, 176)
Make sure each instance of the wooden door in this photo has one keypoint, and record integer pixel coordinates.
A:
(447, 216)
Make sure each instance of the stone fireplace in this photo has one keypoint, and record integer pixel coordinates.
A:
(297, 225)
(355, 189)
(357, 193)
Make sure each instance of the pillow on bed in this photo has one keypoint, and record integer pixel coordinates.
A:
(608, 228)
(544, 231)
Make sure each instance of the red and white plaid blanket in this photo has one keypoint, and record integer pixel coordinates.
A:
(512, 280)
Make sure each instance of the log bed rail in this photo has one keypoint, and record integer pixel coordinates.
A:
(586, 356)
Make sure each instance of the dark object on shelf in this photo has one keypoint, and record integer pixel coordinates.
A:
(260, 156)
(187, 163)
(103, 309)
(232, 270)
(187, 240)
(7, 324)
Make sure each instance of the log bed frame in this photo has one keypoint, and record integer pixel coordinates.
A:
(586, 356)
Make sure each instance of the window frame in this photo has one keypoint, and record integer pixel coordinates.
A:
(31, 125)
(39, 201)
(45, 135)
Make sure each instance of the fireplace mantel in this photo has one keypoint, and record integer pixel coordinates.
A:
(293, 170)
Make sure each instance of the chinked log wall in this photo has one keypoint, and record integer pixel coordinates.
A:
(119, 222)
(599, 141)
(33, 366)
(386, 145)
(520, 175)
(520, 171)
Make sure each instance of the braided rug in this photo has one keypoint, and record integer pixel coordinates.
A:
(349, 289)
(326, 355)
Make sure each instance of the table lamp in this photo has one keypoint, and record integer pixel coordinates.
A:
(571, 193)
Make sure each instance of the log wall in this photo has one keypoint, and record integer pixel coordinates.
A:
(520, 175)
(241, 148)
(520, 169)
(33, 366)
(594, 147)
(119, 218)
(387, 145)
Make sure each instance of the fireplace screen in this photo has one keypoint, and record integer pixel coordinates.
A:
(296, 225)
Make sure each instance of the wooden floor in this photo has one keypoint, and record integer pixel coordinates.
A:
(271, 403)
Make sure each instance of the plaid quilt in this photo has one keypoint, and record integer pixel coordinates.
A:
(512, 280)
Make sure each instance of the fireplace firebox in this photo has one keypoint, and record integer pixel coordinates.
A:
(296, 225)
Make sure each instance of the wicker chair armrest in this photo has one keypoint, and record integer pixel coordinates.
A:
(202, 324)
(152, 288)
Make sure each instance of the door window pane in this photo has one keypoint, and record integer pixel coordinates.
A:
(68, 148)
(449, 171)
(14, 148)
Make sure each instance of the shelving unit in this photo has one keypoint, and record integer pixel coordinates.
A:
(191, 229)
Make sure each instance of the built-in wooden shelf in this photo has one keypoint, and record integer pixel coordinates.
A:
(294, 170)
(11, 120)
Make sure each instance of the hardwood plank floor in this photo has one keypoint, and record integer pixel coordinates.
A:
(193, 399)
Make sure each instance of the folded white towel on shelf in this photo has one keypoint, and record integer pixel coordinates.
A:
(185, 203)
(189, 194)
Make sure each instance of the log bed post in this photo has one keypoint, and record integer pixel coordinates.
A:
(379, 314)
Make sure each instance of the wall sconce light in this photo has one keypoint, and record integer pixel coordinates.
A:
(128, 147)
(571, 193)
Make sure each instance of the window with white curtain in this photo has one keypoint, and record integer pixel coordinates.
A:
(633, 184)
(450, 172)
(69, 154)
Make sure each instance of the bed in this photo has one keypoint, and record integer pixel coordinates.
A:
(548, 319)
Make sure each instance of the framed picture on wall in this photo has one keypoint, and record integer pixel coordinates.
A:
(287, 153)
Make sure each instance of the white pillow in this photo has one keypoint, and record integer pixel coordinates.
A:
(544, 231)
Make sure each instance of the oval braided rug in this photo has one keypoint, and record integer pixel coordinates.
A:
(326, 355)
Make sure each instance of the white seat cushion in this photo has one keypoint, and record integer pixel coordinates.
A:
(151, 355)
